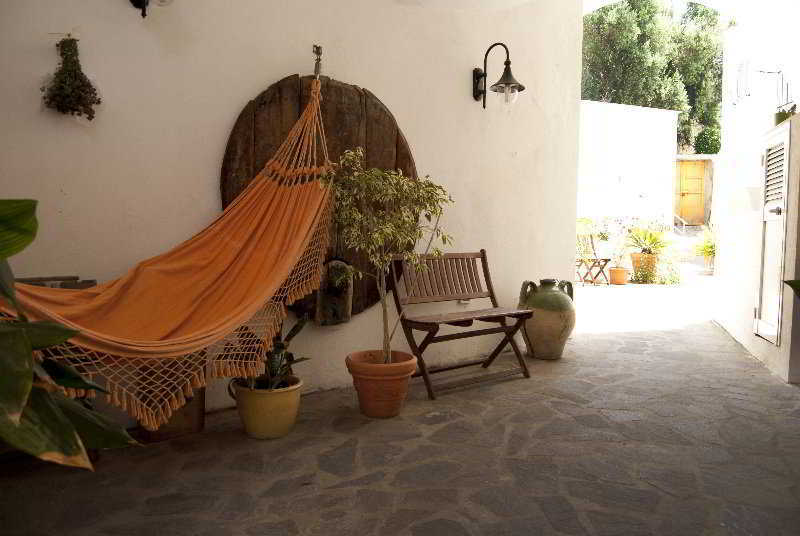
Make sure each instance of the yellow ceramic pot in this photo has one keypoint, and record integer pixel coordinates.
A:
(268, 414)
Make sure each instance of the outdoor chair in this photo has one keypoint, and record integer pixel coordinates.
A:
(454, 277)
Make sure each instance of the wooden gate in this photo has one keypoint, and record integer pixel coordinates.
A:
(690, 181)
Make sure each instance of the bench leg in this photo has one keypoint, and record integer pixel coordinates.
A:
(509, 339)
(417, 351)
(520, 357)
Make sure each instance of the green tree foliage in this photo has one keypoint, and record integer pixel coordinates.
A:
(634, 53)
(698, 59)
(380, 214)
(708, 141)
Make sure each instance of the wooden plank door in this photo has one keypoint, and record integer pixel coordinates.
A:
(691, 196)
(775, 173)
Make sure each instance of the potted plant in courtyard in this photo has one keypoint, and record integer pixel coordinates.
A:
(381, 214)
(618, 272)
(707, 249)
(268, 404)
(649, 243)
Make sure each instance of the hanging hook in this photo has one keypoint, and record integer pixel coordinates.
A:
(317, 49)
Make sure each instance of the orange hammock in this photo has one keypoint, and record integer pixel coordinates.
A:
(211, 306)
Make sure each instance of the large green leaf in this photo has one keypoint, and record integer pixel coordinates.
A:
(795, 286)
(16, 372)
(45, 432)
(46, 334)
(18, 225)
(66, 376)
(7, 283)
(96, 430)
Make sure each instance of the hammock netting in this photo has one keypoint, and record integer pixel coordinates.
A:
(211, 306)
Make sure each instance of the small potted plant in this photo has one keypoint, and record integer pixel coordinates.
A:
(649, 243)
(381, 214)
(268, 403)
(707, 249)
(619, 274)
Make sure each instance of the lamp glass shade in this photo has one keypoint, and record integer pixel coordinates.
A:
(508, 96)
(507, 81)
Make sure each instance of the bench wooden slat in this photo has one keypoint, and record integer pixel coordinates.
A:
(435, 299)
(473, 265)
(479, 314)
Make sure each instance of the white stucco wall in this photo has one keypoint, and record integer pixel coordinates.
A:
(144, 175)
(759, 42)
(627, 161)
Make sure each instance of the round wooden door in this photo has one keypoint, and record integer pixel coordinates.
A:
(352, 116)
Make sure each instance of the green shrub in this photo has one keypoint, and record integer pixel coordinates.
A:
(708, 141)
(647, 240)
(707, 247)
(643, 275)
(668, 271)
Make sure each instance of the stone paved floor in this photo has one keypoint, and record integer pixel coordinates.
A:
(673, 432)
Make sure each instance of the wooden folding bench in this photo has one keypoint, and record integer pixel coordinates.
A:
(454, 277)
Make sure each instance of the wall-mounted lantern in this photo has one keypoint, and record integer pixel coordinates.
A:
(142, 5)
(507, 86)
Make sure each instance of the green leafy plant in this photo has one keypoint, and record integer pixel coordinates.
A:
(70, 91)
(644, 274)
(337, 280)
(668, 270)
(618, 255)
(708, 141)
(383, 213)
(707, 247)
(278, 362)
(646, 240)
(35, 415)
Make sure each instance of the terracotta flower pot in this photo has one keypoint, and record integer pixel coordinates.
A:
(644, 263)
(709, 262)
(268, 414)
(381, 387)
(619, 276)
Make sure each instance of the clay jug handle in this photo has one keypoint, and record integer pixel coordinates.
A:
(568, 285)
(525, 291)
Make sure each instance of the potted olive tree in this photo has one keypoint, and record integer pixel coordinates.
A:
(268, 404)
(382, 214)
(649, 243)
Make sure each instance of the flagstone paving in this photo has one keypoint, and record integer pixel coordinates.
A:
(660, 432)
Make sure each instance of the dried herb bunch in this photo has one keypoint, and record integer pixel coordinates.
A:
(70, 91)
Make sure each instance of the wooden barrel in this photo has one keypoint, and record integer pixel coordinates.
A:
(352, 116)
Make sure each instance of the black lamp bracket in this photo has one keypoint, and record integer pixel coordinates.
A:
(317, 49)
(479, 75)
(142, 5)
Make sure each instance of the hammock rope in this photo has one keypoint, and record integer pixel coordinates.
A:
(210, 307)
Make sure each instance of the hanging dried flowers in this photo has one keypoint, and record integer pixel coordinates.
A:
(70, 91)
